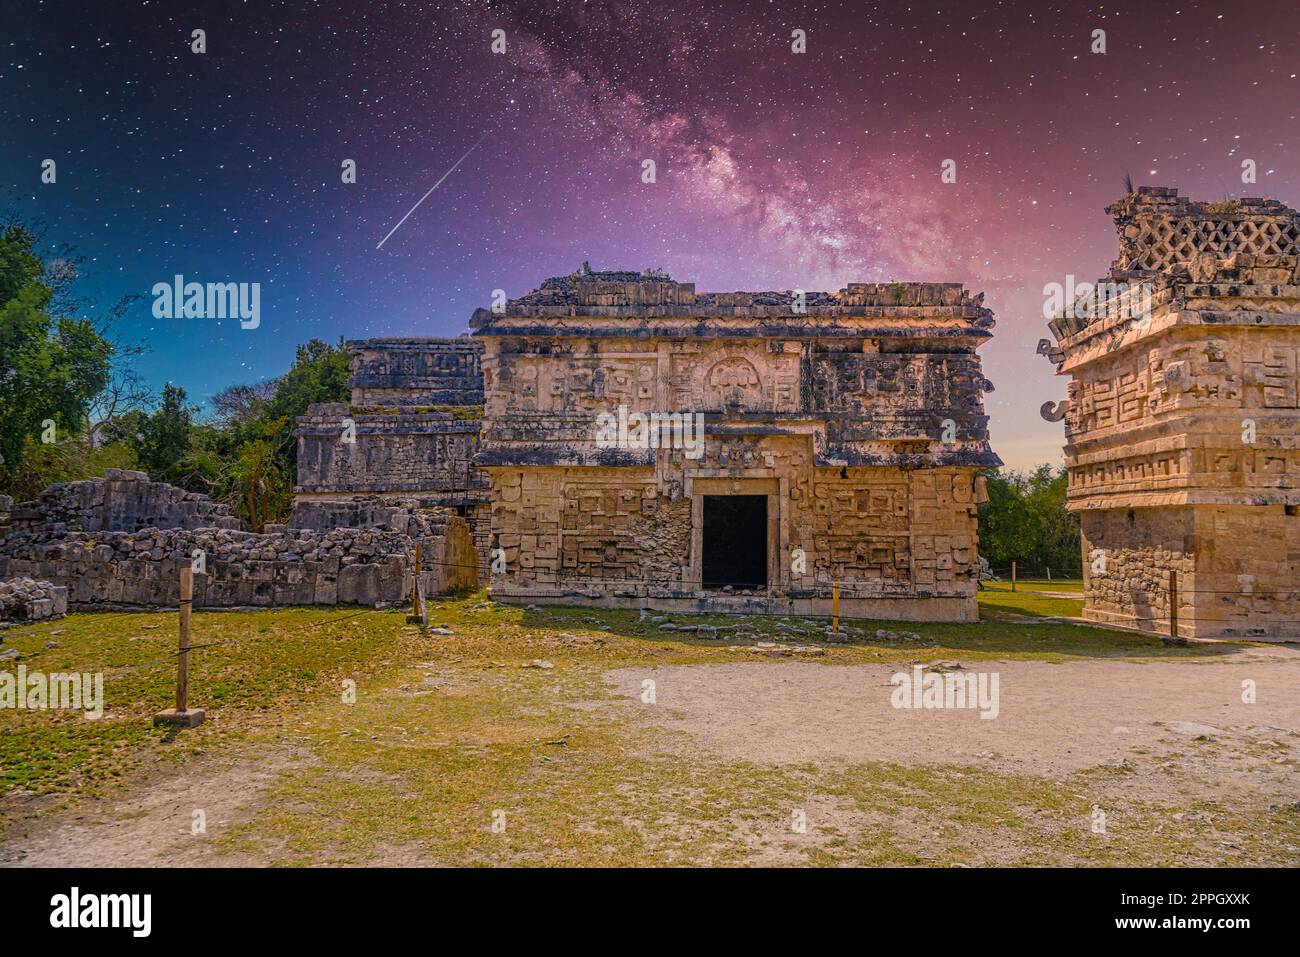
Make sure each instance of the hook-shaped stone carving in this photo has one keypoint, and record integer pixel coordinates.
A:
(1054, 411)
(1048, 348)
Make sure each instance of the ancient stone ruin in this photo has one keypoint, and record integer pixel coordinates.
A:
(409, 432)
(1183, 416)
(122, 501)
(804, 441)
(411, 426)
(122, 540)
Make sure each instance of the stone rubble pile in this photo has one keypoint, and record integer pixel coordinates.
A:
(26, 599)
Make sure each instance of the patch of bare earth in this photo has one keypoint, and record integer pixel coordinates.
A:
(152, 822)
(1168, 748)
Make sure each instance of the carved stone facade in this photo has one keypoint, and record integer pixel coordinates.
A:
(1182, 419)
(850, 423)
(411, 427)
(410, 431)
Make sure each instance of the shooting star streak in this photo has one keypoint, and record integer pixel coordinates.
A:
(431, 189)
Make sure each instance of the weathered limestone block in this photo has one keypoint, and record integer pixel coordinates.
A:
(359, 585)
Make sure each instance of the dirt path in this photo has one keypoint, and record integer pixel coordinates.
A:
(1052, 718)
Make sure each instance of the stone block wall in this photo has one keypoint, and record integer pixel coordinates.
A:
(343, 451)
(451, 555)
(1128, 554)
(1237, 576)
(1247, 582)
(359, 551)
(346, 566)
(121, 500)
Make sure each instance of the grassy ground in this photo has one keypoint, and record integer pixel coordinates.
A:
(507, 720)
(1074, 585)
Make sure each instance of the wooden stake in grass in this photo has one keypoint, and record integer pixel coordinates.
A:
(419, 611)
(1173, 603)
(181, 715)
(183, 656)
(1013, 576)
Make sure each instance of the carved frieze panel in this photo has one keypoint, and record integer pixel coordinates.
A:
(732, 379)
(1272, 370)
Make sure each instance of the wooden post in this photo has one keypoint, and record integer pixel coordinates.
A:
(417, 611)
(835, 607)
(1173, 603)
(1049, 575)
(1013, 576)
(183, 658)
(181, 715)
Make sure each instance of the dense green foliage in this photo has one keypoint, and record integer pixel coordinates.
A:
(52, 366)
(1025, 521)
(69, 372)
(254, 437)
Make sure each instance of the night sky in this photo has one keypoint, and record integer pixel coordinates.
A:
(775, 170)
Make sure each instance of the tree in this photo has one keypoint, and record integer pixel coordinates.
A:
(240, 404)
(67, 460)
(53, 366)
(265, 494)
(1025, 520)
(1057, 528)
(164, 437)
(257, 423)
(77, 373)
(319, 374)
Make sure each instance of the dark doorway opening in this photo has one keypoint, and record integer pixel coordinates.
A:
(735, 541)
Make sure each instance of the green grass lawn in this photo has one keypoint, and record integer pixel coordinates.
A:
(1039, 584)
(497, 726)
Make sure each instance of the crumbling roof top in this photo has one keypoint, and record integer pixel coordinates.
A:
(630, 295)
(1165, 199)
(416, 343)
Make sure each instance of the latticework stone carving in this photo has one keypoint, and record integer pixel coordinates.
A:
(1160, 230)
